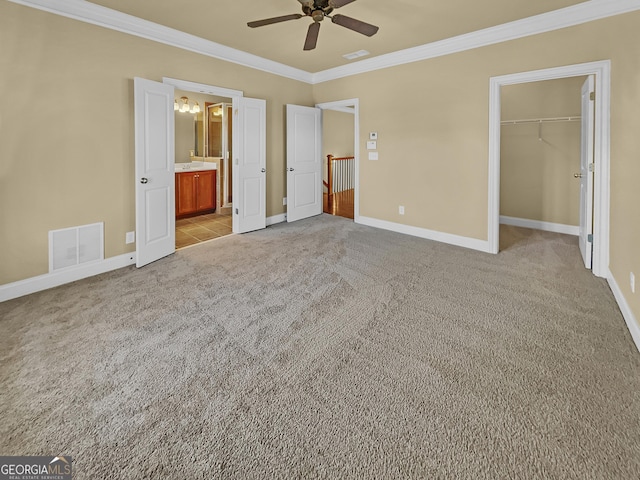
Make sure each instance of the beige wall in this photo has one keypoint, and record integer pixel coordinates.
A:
(337, 136)
(537, 161)
(434, 133)
(79, 167)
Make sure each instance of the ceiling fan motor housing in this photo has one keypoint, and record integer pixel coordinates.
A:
(317, 15)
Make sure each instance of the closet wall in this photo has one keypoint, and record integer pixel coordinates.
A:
(538, 160)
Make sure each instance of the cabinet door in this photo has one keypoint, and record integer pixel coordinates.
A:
(206, 190)
(186, 193)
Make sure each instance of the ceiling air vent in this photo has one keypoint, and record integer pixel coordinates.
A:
(354, 55)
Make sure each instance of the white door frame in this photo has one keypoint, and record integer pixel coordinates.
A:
(235, 96)
(351, 105)
(601, 158)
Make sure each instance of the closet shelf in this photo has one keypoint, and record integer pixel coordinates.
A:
(542, 120)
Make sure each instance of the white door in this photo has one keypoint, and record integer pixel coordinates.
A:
(586, 173)
(304, 162)
(249, 174)
(154, 171)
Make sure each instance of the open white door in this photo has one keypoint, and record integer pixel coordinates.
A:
(154, 171)
(586, 172)
(304, 162)
(249, 174)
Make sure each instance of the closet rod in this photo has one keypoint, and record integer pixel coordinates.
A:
(542, 120)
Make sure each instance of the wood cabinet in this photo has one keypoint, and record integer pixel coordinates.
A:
(195, 193)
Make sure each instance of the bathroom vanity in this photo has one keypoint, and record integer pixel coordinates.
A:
(195, 188)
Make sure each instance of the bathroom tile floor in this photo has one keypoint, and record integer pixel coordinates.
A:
(190, 231)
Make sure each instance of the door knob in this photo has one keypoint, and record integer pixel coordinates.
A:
(577, 175)
(290, 169)
(263, 170)
(144, 180)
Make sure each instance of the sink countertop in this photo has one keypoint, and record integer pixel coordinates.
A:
(195, 166)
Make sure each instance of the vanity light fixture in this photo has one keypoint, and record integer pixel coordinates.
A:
(185, 107)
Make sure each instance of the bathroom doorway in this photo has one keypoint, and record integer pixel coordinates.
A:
(204, 126)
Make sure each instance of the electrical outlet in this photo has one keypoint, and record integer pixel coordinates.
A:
(401, 210)
(130, 237)
(284, 200)
(632, 282)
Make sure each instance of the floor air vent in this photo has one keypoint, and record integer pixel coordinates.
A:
(70, 247)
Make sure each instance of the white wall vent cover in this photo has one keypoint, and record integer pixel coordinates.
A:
(70, 247)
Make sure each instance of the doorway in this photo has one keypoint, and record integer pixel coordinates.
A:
(601, 73)
(341, 130)
(338, 162)
(540, 150)
(155, 173)
(304, 158)
(203, 147)
(247, 170)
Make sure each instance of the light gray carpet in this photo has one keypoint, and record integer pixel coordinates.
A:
(325, 349)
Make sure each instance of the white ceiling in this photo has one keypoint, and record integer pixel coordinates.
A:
(403, 24)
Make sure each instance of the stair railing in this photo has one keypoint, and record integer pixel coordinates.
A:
(340, 175)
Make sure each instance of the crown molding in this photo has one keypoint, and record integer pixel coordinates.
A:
(565, 17)
(545, 22)
(122, 22)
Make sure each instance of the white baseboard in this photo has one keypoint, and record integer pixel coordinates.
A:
(276, 219)
(539, 225)
(629, 317)
(451, 239)
(50, 280)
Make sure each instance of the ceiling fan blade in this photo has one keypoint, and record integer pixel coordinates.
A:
(269, 21)
(355, 25)
(339, 3)
(312, 36)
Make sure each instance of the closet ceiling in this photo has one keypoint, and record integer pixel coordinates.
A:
(403, 24)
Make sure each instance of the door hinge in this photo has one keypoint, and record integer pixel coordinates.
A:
(592, 96)
(236, 211)
(591, 167)
(590, 238)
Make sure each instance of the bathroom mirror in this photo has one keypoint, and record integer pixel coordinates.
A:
(186, 143)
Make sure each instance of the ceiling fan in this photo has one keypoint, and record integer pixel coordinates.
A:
(317, 10)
